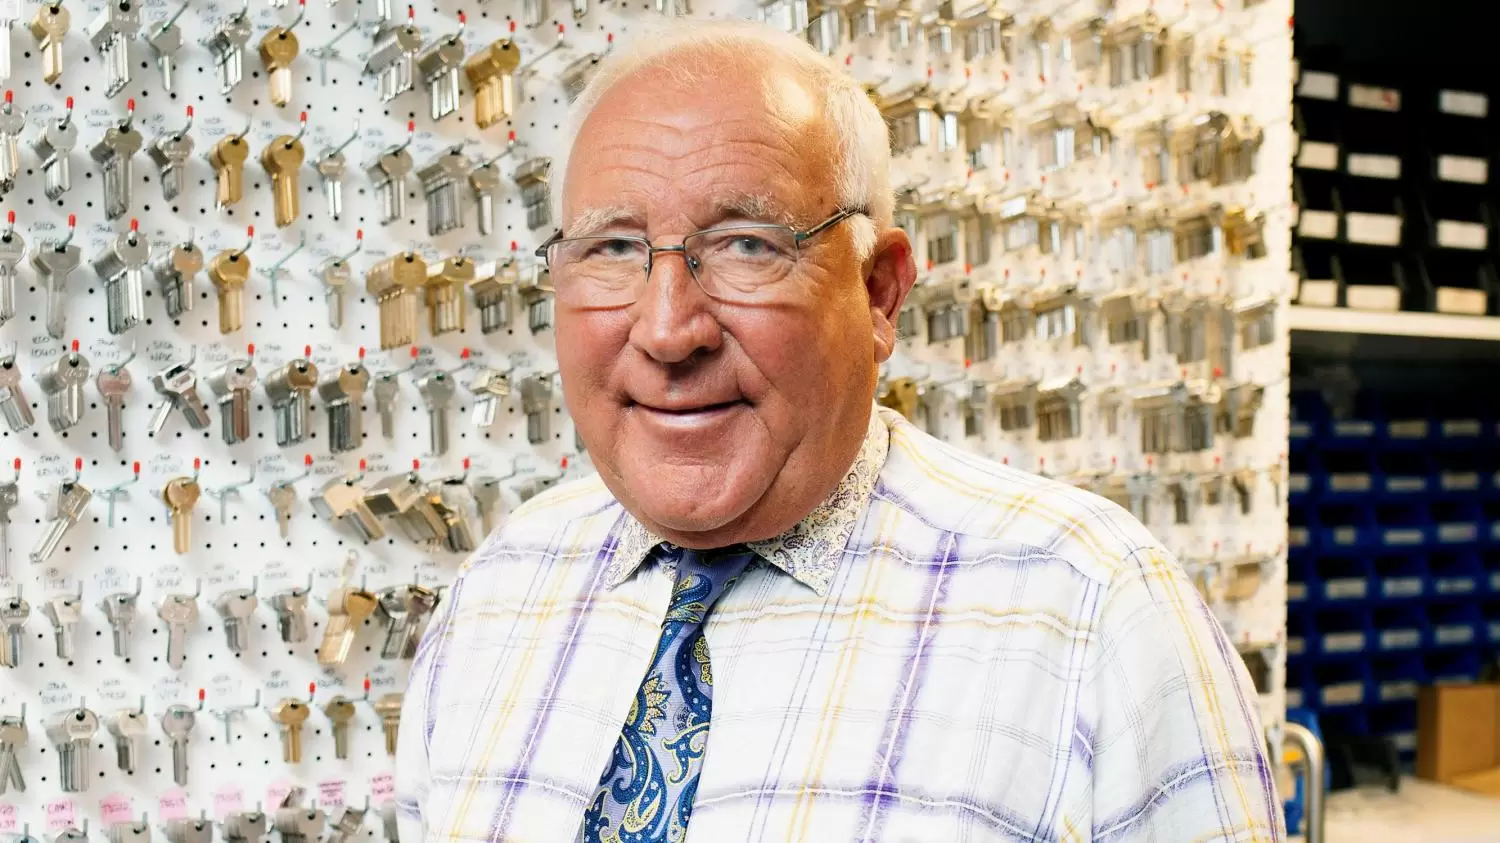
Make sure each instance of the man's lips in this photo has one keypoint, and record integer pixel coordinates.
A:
(684, 408)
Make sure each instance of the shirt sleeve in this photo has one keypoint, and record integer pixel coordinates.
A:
(414, 738)
(1178, 749)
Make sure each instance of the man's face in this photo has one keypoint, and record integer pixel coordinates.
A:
(718, 422)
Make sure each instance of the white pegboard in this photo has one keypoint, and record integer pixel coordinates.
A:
(103, 559)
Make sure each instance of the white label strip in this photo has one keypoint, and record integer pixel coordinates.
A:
(1402, 587)
(1370, 297)
(1462, 169)
(1378, 99)
(1319, 225)
(1407, 429)
(1350, 589)
(1373, 229)
(1453, 234)
(1463, 302)
(1374, 166)
(1317, 155)
(1460, 103)
(1319, 294)
(1314, 85)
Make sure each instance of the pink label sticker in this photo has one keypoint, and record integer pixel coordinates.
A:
(116, 808)
(173, 805)
(61, 814)
(230, 800)
(8, 820)
(382, 788)
(331, 793)
(275, 794)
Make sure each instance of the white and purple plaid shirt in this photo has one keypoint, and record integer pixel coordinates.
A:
(946, 650)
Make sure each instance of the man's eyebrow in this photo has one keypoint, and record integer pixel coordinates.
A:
(591, 221)
(759, 207)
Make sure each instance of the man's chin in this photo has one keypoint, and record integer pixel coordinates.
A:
(688, 500)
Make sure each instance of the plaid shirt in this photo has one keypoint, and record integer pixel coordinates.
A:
(946, 650)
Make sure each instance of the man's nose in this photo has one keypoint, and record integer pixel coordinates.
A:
(673, 316)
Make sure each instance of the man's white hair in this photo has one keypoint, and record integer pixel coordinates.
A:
(862, 160)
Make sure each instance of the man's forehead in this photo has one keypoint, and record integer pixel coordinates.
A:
(717, 205)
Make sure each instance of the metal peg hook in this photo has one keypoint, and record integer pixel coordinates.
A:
(242, 135)
(301, 14)
(72, 229)
(336, 150)
(411, 135)
(181, 133)
(223, 493)
(228, 712)
(166, 24)
(510, 147)
(274, 273)
(301, 130)
(463, 23)
(249, 241)
(115, 368)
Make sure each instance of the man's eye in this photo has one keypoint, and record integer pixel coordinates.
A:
(750, 246)
(611, 249)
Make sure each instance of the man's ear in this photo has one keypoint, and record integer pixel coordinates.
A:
(892, 272)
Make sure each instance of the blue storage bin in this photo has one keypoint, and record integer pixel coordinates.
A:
(1397, 722)
(1404, 431)
(1455, 624)
(1344, 527)
(1400, 629)
(1454, 574)
(1461, 431)
(1490, 609)
(1342, 633)
(1451, 666)
(1403, 474)
(1398, 677)
(1302, 466)
(1300, 645)
(1400, 576)
(1491, 561)
(1301, 527)
(1300, 691)
(1342, 579)
(1457, 523)
(1300, 579)
(1402, 526)
(1342, 685)
(1344, 721)
(1459, 474)
(1353, 431)
(1347, 474)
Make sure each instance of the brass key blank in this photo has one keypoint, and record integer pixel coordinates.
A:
(283, 159)
(181, 495)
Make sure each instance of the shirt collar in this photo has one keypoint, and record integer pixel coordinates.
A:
(812, 549)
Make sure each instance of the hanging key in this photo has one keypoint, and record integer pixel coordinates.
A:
(451, 498)
(404, 606)
(65, 506)
(122, 268)
(342, 500)
(62, 382)
(299, 825)
(170, 152)
(347, 610)
(443, 182)
(444, 291)
(10, 495)
(54, 143)
(484, 184)
(388, 173)
(113, 382)
(64, 613)
(403, 497)
(14, 612)
(181, 496)
(282, 159)
(492, 75)
(12, 252)
(535, 290)
(387, 389)
(71, 733)
(177, 723)
(282, 496)
(536, 403)
(490, 388)
(230, 272)
(165, 40)
(228, 158)
(13, 401)
(436, 389)
(336, 275)
(343, 396)
(394, 283)
(340, 712)
(350, 823)
(291, 614)
(54, 261)
(486, 492)
(227, 44)
(128, 727)
(278, 49)
(12, 125)
(118, 23)
(493, 294)
(115, 155)
(231, 386)
(290, 714)
(331, 166)
(178, 386)
(187, 829)
(388, 709)
(50, 26)
(175, 270)
(245, 827)
(236, 607)
(439, 64)
(120, 610)
(392, 58)
(13, 737)
(178, 612)
(290, 390)
(8, 18)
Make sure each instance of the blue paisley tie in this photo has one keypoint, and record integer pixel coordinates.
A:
(646, 793)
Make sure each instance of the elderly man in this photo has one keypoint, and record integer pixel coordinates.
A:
(779, 614)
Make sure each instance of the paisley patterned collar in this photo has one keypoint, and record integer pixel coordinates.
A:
(811, 550)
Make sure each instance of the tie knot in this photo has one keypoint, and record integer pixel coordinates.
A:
(702, 578)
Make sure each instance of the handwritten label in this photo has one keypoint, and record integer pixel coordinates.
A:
(61, 814)
(382, 788)
(173, 805)
(116, 808)
(8, 817)
(276, 794)
(331, 793)
(230, 800)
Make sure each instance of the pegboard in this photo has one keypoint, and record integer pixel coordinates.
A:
(124, 539)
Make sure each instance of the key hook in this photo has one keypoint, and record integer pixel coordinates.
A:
(359, 245)
(301, 130)
(338, 150)
(288, 481)
(62, 244)
(182, 133)
(67, 117)
(301, 13)
(510, 146)
(167, 23)
(411, 135)
(115, 368)
(250, 241)
(129, 116)
(463, 23)
(241, 136)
